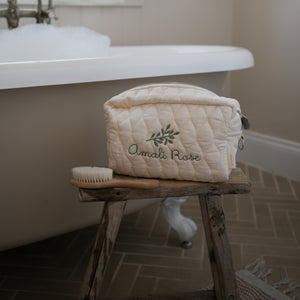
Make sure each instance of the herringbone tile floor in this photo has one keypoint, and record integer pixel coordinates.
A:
(147, 258)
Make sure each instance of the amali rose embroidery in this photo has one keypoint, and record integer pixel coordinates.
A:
(162, 138)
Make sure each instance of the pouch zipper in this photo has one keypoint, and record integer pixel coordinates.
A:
(241, 143)
(245, 121)
(246, 125)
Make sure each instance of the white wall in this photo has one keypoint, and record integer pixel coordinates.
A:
(156, 22)
(269, 92)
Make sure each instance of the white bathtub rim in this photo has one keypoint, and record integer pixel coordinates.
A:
(127, 62)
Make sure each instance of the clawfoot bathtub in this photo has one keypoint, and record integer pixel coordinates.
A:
(51, 119)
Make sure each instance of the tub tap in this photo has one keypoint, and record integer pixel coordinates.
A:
(13, 13)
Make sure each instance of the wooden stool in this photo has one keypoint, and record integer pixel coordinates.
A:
(213, 218)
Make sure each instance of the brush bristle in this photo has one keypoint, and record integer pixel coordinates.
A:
(92, 174)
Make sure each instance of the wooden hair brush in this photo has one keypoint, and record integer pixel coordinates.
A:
(96, 177)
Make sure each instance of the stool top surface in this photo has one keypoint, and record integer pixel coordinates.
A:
(237, 183)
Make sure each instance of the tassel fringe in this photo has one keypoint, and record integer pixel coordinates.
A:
(285, 286)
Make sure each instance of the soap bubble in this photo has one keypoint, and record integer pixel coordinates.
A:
(36, 42)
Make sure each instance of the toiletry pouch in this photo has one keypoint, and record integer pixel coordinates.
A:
(172, 131)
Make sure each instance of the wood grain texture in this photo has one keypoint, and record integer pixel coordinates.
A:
(105, 239)
(237, 184)
(219, 251)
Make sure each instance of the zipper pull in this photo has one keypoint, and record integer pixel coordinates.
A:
(244, 119)
(245, 122)
(241, 143)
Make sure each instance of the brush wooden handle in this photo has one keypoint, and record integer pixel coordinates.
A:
(119, 181)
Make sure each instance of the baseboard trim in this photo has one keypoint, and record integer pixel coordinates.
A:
(273, 154)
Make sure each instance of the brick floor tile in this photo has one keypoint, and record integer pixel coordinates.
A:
(293, 273)
(296, 188)
(143, 286)
(273, 251)
(240, 224)
(112, 268)
(122, 283)
(295, 224)
(268, 180)
(265, 195)
(146, 217)
(291, 261)
(44, 296)
(231, 216)
(78, 270)
(245, 208)
(229, 203)
(283, 184)
(41, 285)
(142, 239)
(263, 240)
(168, 286)
(145, 260)
(293, 213)
(263, 216)
(242, 166)
(147, 249)
(131, 219)
(276, 206)
(248, 258)
(236, 256)
(277, 200)
(49, 247)
(250, 232)
(254, 174)
(79, 247)
(35, 272)
(160, 228)
(26, 260)
(173, 273)
(282, 225)
(134, 231)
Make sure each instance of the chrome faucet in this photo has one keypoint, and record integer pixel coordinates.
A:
(13, 13)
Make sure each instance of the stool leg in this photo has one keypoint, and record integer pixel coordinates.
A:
(213, 219)
(107, 233)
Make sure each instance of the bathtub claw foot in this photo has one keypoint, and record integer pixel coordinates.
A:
(186, 245)
(185, 227)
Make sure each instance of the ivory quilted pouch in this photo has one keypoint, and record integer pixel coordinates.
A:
(172, 131)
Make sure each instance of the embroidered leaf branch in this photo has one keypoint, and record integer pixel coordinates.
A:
(164, 136)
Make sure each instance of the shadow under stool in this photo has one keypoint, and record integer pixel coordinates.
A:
(213, 218)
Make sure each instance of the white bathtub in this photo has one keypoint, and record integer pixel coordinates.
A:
(125, 63)
(51, 119)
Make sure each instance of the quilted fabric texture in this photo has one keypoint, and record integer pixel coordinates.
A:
(172, 131)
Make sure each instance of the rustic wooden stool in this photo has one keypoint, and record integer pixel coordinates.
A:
(213, 218)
